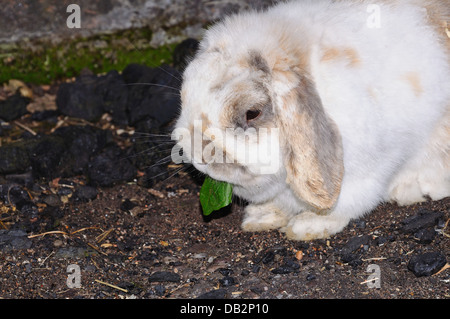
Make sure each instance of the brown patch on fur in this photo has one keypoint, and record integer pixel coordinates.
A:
(250, 94)
(349, 54)
(413, 80)
(438, 12)
(205, 122)
(313, 150)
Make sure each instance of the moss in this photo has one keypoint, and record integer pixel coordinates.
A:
(45, 63)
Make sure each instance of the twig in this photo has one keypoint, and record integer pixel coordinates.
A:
(43, 262)
(445, 226)
(446, 266)
(62, 232)
(369, 280)
(110, 285)
(49, 233)
(3, 225)
(26, 128)
(83, 229)
(375, 258)
(97, 249)
(180, 286)
(103, 236)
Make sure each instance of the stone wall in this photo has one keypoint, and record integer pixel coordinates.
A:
(169, 20)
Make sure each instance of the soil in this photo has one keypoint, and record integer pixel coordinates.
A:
(166, 233)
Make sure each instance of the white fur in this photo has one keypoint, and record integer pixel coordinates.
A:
(390, 107)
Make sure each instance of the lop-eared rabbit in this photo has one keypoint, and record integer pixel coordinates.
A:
(356, 92)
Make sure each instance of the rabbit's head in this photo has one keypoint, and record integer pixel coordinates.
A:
(249, 112)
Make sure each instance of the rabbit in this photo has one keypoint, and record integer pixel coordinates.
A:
(356, 94)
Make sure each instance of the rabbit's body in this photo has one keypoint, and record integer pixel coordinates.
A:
(360, 93)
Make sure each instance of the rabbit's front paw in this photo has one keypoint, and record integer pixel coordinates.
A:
(309, 226)
(263, 217)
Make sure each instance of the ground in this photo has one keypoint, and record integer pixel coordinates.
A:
(118, 251)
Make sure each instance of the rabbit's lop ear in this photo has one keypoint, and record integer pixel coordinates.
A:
(313, 148)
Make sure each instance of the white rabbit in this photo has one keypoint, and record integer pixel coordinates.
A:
(358, 93)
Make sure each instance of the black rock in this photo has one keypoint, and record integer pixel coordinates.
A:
(214, 294)
(268, 257)
(164, 276)
(283, 270)
(46, 156)
(379, 241)
(130, 287)
(127, 205)
(82, 142)
(245, 272)
(52, 200)
(349, 257)
(355, 243)
(227, 281)
(425, 235)
(110, 167)
(114, 92)
(14, 157)
(86, 193)
(291, 263)
(13, 107)
(424, 219)
(47, 115)
(225, 271)
(426, 264)
(14, 240)
(81, 99)
(184, 53)
(310, 277)
(73, 252)
(160, 290)
(256, 269)
(152, 93)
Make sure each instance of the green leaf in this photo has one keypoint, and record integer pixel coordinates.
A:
(215, 195)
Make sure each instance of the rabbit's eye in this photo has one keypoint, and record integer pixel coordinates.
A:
(252, 115)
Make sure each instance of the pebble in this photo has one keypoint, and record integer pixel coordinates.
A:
(52, 200)
(160, 290)
(282, 270)
(310, 277)
(350, 251)
(13, 107)
(425, 236)
(58, 243)
(164, 276)
(73, 252)
(110, 167)
(355, 243)
(214, 294)
(86, 193)
(424, 219)
(426, 264)
(225, 271)
(14, 240)
(227, 281)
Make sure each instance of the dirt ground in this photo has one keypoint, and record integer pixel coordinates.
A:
(134, 242)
